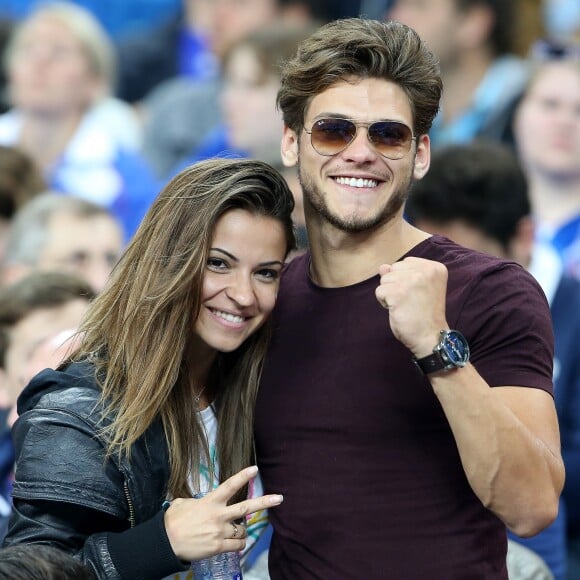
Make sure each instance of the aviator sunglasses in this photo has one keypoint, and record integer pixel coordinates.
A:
(330, 136)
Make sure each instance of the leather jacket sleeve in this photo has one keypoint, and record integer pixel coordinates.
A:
(66, 494)
(139, 553)
(40, 521)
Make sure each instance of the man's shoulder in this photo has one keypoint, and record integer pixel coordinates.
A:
(459, 258)
(481, 278)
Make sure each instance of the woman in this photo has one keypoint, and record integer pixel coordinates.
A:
(174, 343)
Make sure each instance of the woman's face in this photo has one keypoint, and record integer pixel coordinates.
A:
(241, 278)
(49, 71)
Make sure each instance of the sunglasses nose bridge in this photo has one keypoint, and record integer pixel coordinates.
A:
(357, 129)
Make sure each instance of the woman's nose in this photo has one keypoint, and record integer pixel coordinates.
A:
(241, 291)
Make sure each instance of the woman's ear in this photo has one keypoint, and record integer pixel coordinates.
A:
(289, 147)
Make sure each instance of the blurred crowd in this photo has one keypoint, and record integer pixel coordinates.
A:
(101, 102)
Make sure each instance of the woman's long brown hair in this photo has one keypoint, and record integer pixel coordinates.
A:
(139, 328)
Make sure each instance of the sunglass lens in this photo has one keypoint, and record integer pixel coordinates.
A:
(392, 139)
(330, 136)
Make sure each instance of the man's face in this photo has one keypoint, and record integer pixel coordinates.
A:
(32, 330)
(87, 246)
(437, 22)
(249, 105)
(49, 70)
(357, 189)
(234, 19)
(547, 122)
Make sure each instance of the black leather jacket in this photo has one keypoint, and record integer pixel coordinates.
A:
(108, 513)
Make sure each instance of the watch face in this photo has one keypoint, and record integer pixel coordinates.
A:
(455, 348)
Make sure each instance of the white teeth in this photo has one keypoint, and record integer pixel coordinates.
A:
(357, 182)
(229, 317)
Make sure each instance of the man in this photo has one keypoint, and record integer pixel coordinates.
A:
(251, 81)
(33, 310)
(547, 138)
(477, 195)
(395, 460)
(474, 41)
(53, 232)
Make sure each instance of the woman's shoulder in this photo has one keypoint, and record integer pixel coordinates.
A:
(73, 389)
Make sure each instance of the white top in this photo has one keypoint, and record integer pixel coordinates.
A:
(255, 523)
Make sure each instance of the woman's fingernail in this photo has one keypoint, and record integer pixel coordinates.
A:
(252, 471)
(277, 499)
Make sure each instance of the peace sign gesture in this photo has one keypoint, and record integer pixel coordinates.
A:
(200, 528)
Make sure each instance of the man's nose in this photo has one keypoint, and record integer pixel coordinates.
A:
(360, 149)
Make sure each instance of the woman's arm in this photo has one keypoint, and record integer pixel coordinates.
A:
(66, 494)
(114, 553)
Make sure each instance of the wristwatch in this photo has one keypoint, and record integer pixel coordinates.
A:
(451, 352)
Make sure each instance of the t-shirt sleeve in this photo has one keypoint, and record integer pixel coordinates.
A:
(506, 319)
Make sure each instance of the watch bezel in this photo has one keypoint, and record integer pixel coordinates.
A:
(447, 347)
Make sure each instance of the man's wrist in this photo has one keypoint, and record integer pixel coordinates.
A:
(450, 352)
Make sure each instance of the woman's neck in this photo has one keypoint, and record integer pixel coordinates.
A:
(199, 363)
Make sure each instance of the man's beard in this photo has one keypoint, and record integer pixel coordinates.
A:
(353, 224)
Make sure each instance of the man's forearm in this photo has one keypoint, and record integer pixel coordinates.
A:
(508, 442)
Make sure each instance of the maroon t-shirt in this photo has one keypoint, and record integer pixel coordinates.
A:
(355, 439)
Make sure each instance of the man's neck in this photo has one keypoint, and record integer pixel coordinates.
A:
(342, 259)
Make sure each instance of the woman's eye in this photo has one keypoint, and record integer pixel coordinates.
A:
(216, 263)
(268, 274)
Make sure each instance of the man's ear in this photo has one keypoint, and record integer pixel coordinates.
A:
(289, 147)
(422, 157)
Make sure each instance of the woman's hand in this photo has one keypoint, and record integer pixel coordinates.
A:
(199, 528)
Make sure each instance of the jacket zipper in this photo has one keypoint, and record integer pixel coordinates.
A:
(129, 503)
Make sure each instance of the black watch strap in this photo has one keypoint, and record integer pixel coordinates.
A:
(431, 363)
(452, 351)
